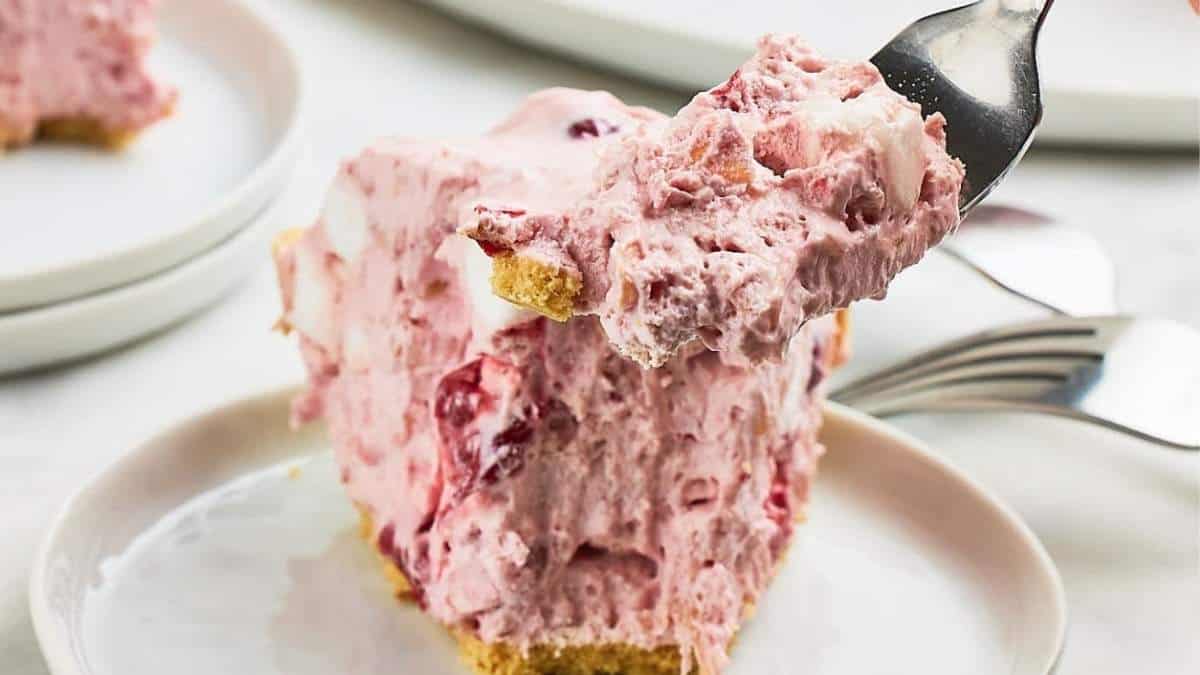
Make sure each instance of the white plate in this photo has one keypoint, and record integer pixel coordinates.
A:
(75, 220)
(203, 552)
(94, 323)
(1115, 71)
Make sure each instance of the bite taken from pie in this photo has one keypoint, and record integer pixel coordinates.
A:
(573, 369)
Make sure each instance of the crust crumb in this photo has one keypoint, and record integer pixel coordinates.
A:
(86, 131)
(535, 285)
(841, 338)
(285, 240)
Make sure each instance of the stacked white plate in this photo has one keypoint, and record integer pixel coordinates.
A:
(100, 248)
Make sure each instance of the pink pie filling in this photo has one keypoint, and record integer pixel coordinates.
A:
(536, 485)
(797, 186)
(77, 60)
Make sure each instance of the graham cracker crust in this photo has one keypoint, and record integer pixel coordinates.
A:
(86, 131)
(7, 138)
(281, 244)
(83, 130)
(502, 659)
(286, 239)
(842, 337)
(585, 660)
(532, 284)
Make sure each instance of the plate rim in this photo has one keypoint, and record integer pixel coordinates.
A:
(57, 649)
(223, 257)
(224, 215)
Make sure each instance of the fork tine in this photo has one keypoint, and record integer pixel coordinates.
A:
(1080, 338)
(1042, 377)
(1013, 356)
(984, 393)
(1153, 357)
(933, 400)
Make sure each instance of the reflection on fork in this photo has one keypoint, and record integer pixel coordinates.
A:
(977, 65)
(1138, 376)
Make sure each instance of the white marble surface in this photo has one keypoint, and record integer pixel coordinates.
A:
(1121, 518)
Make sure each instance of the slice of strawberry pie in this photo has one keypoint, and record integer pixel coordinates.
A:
(561, 507)
(75, 69)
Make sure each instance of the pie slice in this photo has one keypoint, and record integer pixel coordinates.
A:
(76, 70)
(603, 475)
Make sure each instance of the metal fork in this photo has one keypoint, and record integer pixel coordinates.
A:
(1135, 375)
(1021, 252)
(976, 65)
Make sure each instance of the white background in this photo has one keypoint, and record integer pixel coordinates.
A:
(1122, 519)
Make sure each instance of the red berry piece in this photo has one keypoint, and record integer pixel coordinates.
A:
(471, 402)
(492, 250)
(592, 127)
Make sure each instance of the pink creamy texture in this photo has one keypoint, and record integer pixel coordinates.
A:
(797, 186)
(535, 485)
(77, 59)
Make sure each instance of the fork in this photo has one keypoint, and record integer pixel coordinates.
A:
(1135, 375)
(977, 65)
(1022, 252)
